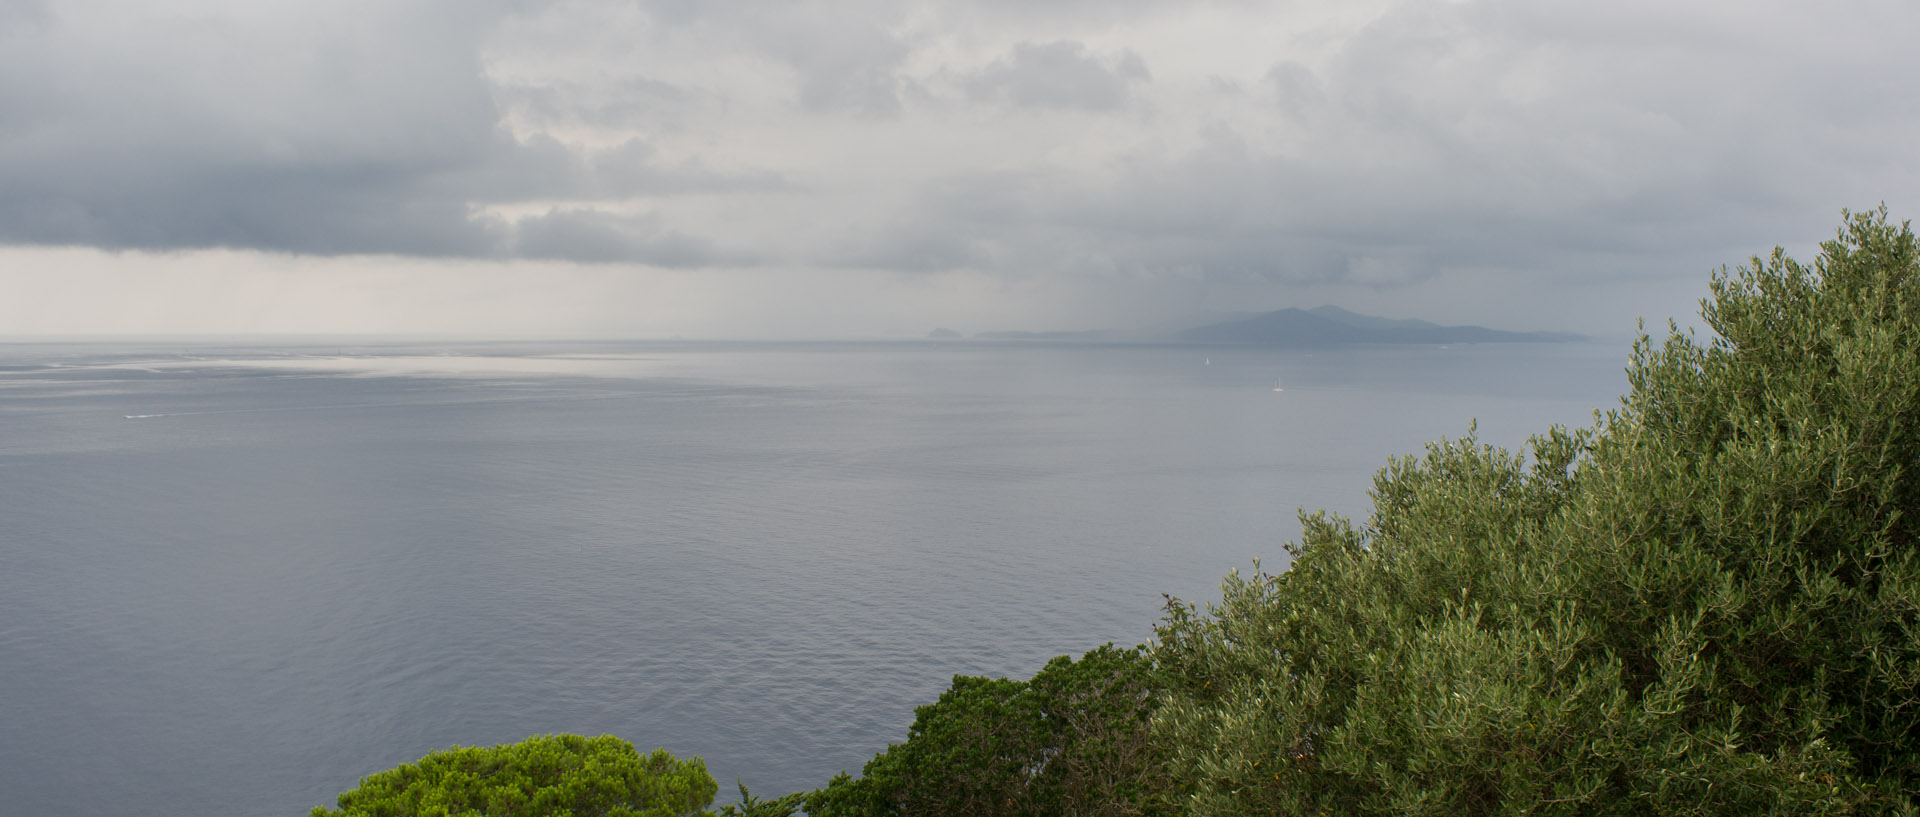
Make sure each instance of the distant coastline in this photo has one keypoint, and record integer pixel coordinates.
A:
(1322, 326)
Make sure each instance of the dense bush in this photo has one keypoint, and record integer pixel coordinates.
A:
(1072, 740)
(1708, 603)
(545, 775)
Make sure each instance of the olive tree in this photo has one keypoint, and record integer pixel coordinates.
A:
(1707, 603)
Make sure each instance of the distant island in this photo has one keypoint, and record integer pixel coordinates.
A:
(1333, 326)
(1291, 327)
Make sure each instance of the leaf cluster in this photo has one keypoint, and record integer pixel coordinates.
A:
(751, 806)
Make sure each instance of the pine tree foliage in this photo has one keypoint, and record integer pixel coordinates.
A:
(542, 776)
(1708, 603)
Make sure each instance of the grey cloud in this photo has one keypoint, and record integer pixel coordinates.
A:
(1541, 139)
(678, 11)
(310, 210)
(1058, 14)
(301, 198)
(1060, 75)
(23, 13)
(1572, 116)
(841, 64)
(1232, 213)
(269, 134)
(540, 167)
(306, 136)
(844, 55)
(632, 167)
(628, 102)
(974, 221)
(591, 236)
(922, 246)
(1295, 89)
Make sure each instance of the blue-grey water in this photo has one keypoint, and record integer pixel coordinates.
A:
(234, 579)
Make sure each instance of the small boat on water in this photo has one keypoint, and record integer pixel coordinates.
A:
(1276, 385)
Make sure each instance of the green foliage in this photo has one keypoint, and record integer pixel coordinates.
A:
(1072, 740)
(544, 776)
(1707, 604)
(750, 806)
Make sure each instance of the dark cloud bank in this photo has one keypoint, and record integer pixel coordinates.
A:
(1421, 139)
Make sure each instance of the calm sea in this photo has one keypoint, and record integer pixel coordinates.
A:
(234, 579)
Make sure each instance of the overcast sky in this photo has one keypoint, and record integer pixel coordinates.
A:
(659, 168)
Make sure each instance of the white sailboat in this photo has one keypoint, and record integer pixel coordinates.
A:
(1276, 385)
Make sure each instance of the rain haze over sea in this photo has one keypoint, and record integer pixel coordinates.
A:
(235, 578)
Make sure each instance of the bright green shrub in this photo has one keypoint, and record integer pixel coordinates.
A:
(544, 776)
(1707, 604)
(1072, 740)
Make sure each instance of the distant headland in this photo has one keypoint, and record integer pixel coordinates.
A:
(1298, 328)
